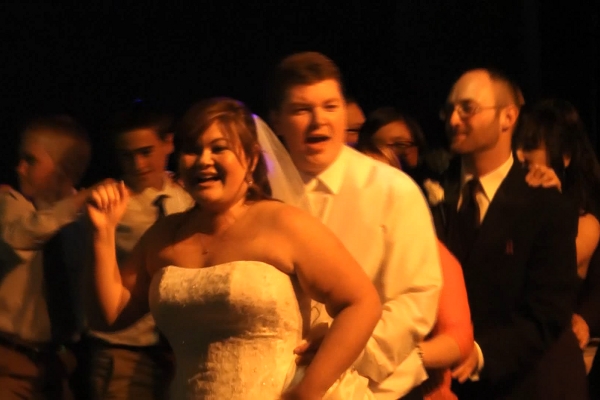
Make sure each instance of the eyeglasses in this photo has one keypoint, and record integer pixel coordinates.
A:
(465, 109)
(400, 145)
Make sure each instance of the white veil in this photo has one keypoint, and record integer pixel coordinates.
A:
(287, 186)
(284, 178)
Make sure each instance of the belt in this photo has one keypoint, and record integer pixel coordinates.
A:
(94, 341)
(34, 352)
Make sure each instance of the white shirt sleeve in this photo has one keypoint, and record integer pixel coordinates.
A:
(409, 284)
(23, 227)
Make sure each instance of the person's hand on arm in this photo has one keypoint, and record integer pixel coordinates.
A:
(452, 340)
(542, 176)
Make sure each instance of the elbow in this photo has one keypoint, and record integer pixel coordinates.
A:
(110, 309)
(373, 304)
(98, 318)
(109, 317)
(366, 304)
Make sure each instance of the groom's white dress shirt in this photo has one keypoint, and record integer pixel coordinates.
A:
(382, 218)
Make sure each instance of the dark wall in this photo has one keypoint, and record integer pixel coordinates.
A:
(92, 61)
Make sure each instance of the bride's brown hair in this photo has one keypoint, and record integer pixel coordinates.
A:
(236, 122)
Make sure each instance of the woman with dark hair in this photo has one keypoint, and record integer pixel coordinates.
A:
(552, 141)
(386, 127)
(551, 135)
(229, 282)
(451, 340)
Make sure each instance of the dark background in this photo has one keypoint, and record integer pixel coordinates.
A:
(92, 61)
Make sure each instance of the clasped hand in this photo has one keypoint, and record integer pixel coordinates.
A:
(106, 204)
(467, 368)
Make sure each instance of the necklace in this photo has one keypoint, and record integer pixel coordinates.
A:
(204, 247)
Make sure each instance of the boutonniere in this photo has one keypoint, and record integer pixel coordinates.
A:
(435, 192)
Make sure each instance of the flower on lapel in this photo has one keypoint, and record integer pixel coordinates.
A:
(435, 192)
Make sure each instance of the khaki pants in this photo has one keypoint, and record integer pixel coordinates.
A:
(117, 373)
(43, 378)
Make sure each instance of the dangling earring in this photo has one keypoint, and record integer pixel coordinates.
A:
(249, 181)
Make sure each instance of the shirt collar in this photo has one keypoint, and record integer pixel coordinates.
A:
(150, 193)
(491, 181)
(330, 180)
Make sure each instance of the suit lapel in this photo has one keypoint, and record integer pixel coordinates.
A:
(451, 234)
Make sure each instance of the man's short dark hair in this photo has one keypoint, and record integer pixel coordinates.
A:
(300, 69)
(143, 116)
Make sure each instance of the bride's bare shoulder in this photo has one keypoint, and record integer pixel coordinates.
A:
(277, 208)
(283, 216)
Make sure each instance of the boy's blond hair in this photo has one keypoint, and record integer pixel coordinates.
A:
(66, 142)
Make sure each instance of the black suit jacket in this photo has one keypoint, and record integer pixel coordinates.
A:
(521, 280)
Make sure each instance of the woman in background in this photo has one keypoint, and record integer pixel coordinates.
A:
(552, 142)
(451, 339)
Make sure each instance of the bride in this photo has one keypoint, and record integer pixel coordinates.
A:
(230, 281)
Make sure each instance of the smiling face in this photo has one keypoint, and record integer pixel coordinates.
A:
(480, 116)
(479, 131)
(312, 121)
(215, 170)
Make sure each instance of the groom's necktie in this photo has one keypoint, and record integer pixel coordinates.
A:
(469, 215)
(159, 203)
(319, 199)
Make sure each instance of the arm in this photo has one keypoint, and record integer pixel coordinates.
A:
(29, 228)
(409, 285)
(548, 295)
(588, 234)
(452, 340)
(589, 300)
(329, 274)
(115, 288)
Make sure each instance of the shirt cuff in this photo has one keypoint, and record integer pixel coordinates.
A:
(475, 375)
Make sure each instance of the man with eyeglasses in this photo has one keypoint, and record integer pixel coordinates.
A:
(516, 245)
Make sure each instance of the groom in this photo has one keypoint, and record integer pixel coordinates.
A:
(376, 211)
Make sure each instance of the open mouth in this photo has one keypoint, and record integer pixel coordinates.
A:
(316, 139)
(207, 178)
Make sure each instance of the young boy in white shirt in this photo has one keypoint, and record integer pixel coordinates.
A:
(37, 290)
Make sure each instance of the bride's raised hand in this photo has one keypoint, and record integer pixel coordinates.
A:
(107, 203)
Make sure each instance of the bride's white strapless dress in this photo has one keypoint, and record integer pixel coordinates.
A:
(233, 328)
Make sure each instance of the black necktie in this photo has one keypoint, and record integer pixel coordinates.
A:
(59, 293)
(468, 215)
(159, 203)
